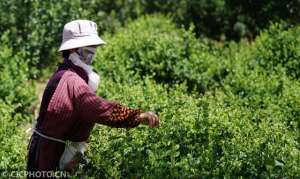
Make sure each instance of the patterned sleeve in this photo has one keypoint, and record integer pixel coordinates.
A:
(124, 116)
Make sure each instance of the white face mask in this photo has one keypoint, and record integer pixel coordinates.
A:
(86, 54)
(94, 78)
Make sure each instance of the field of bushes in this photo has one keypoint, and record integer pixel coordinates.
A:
(227, 108)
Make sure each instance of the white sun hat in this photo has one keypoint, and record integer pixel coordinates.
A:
(80, 33)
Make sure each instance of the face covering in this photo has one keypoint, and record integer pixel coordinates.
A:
(94, 78)
(86, 54)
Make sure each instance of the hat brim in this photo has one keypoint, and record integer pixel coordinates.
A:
(81, 42)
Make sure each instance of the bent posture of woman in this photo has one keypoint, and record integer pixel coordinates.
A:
(70, 107)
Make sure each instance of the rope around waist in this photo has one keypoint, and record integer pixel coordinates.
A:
(33, 128)
(48, 137)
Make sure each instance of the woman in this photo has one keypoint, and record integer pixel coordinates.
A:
(70, 107)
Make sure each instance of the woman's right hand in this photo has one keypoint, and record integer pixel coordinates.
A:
(150, 119)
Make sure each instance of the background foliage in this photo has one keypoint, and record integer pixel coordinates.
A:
(16, 107)
(228, 108)
(36, 26)
(153, 46)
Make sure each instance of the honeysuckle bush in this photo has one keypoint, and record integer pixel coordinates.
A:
(13, 140)
(214, 135)
(245, 124)
(15, 88)
(153, 46)
(17, 99)
(262, 86)
(279, 46)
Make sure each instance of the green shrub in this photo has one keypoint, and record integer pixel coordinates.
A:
(15, 87)
(12, 139)
(279, 46)
(247, 127)
(153, 46)
(215, 135)
(17, 98)
(261, 87)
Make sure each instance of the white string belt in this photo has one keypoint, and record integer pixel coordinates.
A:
(33, 128)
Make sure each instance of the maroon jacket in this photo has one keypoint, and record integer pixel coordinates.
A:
(69, 110)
